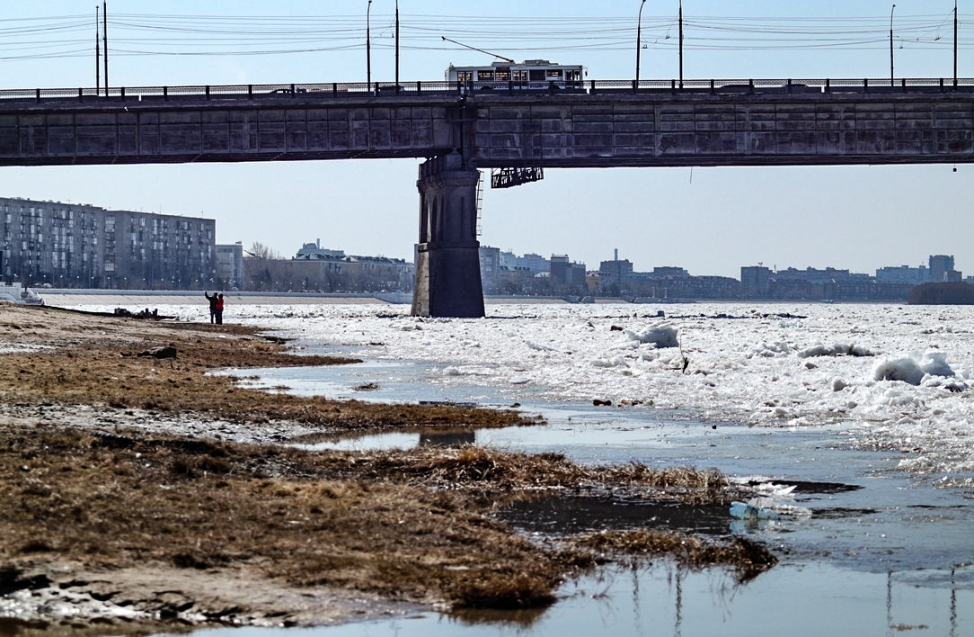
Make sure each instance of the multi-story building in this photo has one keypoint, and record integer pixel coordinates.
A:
(229, 264)
(317, 269)
(942, 269)
(755, 281)
(902, 275)
(615, 272)
(567, 275)
(79, 245)
(671, 272)
(490, 263)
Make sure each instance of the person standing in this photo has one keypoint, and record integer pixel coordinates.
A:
(213, 301)
(219, 309)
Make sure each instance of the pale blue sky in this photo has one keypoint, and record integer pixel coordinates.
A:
(709, 220)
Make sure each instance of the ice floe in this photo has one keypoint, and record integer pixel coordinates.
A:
(895, 377)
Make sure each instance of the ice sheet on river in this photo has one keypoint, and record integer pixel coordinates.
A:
(897, 376)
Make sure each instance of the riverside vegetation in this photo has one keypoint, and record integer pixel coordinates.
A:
(144, 492)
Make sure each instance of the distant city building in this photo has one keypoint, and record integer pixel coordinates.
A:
(503, 272)
(316, 269)
(615, 272)
(490, 264)
(315, 251)
(534, 263)
(229, 264)
(813, 275)
(942, 269)
(903, 274)
(755, 281)
(79, 245)
(669, 271)
(567, 276)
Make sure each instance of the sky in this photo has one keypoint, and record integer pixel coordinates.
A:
(710, 221)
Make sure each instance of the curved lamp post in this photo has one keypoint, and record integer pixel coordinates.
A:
(368, 47)
(639, 33)
(891, 45)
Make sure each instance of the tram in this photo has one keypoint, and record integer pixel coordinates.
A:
(526, 75)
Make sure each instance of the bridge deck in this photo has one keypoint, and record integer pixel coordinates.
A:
(594, 124)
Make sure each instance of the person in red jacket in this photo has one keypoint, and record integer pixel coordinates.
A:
(219, 309)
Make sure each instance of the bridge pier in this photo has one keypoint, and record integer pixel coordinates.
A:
(448, 254)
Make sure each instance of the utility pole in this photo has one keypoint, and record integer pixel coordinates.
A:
(104, 17)
(397, 46)
(97, 54)
(681, 43)
(891, 45)
(639, 33)
(368, 48)
(955, 42)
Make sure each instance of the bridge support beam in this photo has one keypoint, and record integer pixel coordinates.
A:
(448, 254)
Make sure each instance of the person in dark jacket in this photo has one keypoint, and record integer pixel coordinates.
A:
(213, 301)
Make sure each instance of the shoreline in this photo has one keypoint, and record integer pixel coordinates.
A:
(115, 462)
(72, 297)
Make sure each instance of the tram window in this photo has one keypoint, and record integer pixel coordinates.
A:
(519, 76)
(573, 75)
(485, 75)
(553, 74)
(502, 75)
(464, 76)
(537, 75)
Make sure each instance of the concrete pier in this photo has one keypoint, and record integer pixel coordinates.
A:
(448, 254)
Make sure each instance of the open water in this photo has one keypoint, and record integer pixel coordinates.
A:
(874, 552)
(881, 541)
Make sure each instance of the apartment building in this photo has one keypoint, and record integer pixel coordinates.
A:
(80, 245)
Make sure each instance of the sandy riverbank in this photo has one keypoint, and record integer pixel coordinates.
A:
(138, 491)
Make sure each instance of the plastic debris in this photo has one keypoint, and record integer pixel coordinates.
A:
(745, 511)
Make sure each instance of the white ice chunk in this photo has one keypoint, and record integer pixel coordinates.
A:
(903, 369)
(838, 349)
(912, 369)
(661, 335)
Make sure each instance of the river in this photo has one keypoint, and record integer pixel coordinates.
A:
(865, 411)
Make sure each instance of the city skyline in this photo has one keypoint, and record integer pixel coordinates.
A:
(706, 219)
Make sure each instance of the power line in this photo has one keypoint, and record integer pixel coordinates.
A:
(157, 34)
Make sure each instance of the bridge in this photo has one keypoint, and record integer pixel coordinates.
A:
(461, 128)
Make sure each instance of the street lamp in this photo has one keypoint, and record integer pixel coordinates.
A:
(891, 45)
(397, 47)
(639, 33)
(368, 47)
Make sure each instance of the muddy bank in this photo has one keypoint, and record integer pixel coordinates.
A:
(138, 490)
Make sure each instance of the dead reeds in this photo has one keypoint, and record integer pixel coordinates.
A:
(473, 468)
(746, 558)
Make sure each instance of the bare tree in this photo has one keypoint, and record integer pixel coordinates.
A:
(259, 251)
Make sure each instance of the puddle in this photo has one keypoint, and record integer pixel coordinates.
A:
(372, 381)
(661, 599)
(878, 553)
(565, 515)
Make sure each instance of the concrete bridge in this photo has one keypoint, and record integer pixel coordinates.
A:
(461, 129)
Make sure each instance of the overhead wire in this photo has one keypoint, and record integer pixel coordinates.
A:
(160, 34)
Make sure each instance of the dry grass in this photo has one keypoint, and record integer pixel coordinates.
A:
(747, 558)
(491, 472)
(410, 525)
(188, 504)
(100, 365)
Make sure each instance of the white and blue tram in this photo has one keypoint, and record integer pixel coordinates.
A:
(530, 74)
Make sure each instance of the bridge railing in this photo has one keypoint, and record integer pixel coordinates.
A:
(380, 90)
